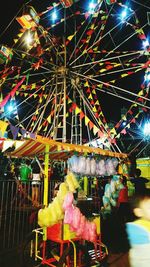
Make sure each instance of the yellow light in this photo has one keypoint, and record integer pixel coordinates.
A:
(28, 38)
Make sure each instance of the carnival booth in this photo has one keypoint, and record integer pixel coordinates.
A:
(61, 221)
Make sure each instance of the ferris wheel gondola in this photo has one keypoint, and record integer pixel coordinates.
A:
(68, 3)
(5, 54)
(109, 2)
(29, 18)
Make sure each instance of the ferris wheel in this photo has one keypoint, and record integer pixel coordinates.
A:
(70, 64)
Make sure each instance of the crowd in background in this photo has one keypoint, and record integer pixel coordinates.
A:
(24, 172)
(117, 193)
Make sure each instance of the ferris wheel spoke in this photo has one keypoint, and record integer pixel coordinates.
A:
(96, 43)
(142, 4)
(79, 41)
(127, 39)
(109, 59)
(111, 86)
(118, 71)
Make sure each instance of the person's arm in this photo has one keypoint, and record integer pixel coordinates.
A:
(131, 179)
(42, 170)
(146, 180)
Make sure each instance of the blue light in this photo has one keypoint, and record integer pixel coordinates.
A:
(10, 108)
(146, 129)
(124, 14)
(92, 6)
(54, 15)
(124, 123)
(147, 77)
(146, 43)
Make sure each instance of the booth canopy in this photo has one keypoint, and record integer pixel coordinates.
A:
(57, 150)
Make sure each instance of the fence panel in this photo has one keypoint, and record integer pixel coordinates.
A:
(18, 216)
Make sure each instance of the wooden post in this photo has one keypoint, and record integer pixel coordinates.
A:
(45, 196)
(85, 179)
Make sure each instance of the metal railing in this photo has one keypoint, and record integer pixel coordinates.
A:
(18, 216)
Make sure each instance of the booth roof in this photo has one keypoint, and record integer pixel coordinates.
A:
(58, 150)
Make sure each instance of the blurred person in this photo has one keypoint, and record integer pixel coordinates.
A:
(139, 182)
(24, 178)
(17, 169)
(56, 188)
(37, 172)
(123, 204)
(7, 168)
(123, 191)
(138, 231)
(25, 172)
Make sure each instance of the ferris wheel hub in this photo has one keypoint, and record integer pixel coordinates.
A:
(62, 70)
